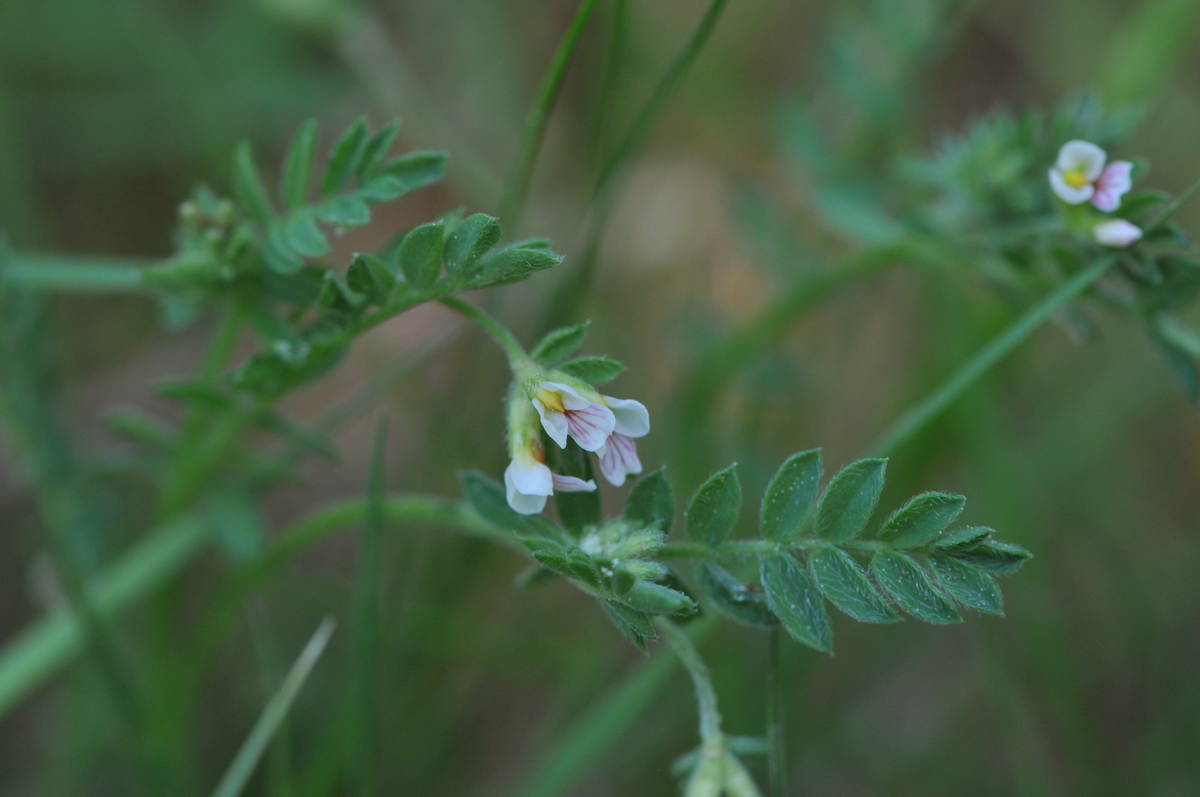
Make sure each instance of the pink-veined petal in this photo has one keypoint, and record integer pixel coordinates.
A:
(572, 484)
(590, 426)
(633, 419)
(618, 459)
(1067, 193)
(1113, 182)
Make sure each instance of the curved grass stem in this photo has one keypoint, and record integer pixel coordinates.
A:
(916, 418)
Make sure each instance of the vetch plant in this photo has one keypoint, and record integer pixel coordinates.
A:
(1029, 203)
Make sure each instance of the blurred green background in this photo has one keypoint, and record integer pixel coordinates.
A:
(1082, 451)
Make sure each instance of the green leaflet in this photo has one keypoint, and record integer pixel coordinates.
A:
(593, 370)
(970, 587)
(558, 344)
(714, 507)
(470, 240)
(297, 166)
(790, 495)
(651, 502)
(907, 584)
(847, 587)
(850, 499)
(420, 254)
(921, 518)
(794, 599)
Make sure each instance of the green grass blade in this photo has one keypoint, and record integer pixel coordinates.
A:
(517, 186)
(367, 639)
(248, 756)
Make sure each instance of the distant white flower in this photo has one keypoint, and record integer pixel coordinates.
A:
(566, 412)
(1118, 232)
(618, 455)
(1079, 175)
(528, 482)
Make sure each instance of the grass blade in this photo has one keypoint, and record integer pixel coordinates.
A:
(248, 756)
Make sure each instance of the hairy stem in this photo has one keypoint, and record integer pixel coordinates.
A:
(495, 330)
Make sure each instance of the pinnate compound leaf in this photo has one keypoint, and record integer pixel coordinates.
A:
(994, 557)
(297, 166)
(714, 507)
(470, 240)
(421, 254)
(850, 499)
(732, 597)
(795, 600)
(963, 539)
(908, 584)
(970, 587)
(344, 158)
(595, 371)
(248, 185)
(790, 495)
(847, 587)
(635, 625)
(559, 343)
(651, 503)
(918, 521)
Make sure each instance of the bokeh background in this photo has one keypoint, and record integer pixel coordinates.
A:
(1081, 450)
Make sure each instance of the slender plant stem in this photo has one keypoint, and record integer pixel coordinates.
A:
(247, 758)
(662, 94)
(776, 738)
(982, 361)
(603, 723)
(1171, 207)
(572, 290)
(367, 647)
(517, 187)
(706, 698)
(57, 272)
(495, 330)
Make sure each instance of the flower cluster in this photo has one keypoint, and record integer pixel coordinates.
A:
(568, 408)
(1081, 174)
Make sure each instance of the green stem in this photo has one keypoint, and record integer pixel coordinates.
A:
(776, 740)
(662, 93)
(711, 739)
(495, 330)
(56, 272)
(1175, 204)
(928, 408)
(517, 187)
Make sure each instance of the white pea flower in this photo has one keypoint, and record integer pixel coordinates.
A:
(528, 482)
(618, 455)
(1117, 232)
(565, 411)
(1080, 175)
